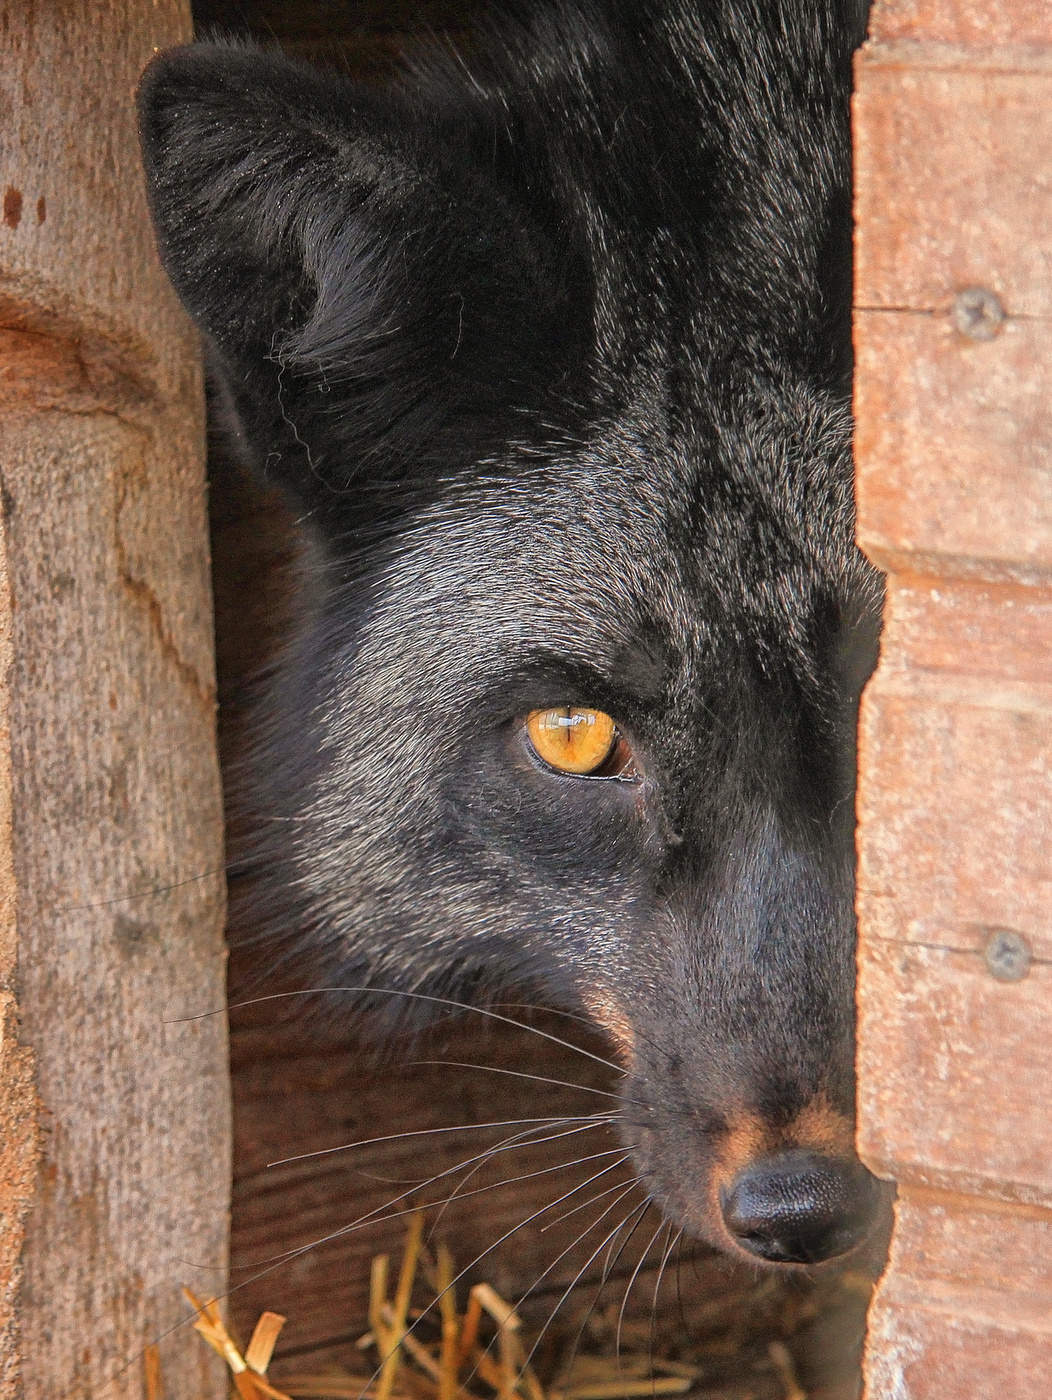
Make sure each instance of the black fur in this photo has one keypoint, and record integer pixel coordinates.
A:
(551, 351)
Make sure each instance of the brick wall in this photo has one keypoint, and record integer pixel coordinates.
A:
(954, 387)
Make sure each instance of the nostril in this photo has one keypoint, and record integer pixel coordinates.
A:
(799, 1207)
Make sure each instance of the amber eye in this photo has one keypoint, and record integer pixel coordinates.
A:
(572, 740)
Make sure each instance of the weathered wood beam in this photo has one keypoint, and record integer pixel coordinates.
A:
(114, 1115)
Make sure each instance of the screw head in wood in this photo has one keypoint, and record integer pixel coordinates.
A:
(978, 313)
(1007, 955)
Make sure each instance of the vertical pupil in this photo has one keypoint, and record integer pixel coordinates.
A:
(568, 727)
(574, 740)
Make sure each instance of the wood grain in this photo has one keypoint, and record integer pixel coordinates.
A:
(114, 847)
(529, 1220)
(953, 448)
(953, 445)
(965, 1307)
(976, 23)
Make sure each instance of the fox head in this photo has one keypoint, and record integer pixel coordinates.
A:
(552, 358)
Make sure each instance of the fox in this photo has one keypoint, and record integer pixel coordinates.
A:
(548, 346)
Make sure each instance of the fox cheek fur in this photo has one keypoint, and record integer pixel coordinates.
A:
(553, 360)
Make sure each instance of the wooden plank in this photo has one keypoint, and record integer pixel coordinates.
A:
(952, 443)
(954, 1068)
(953, 333)
(965, 847)
(19, 1145)
(115, 822)
(76, 247)
(936, 139)
(966, 1306)
(953, 633)
(952, 328)
(957, 855)
(975, 23)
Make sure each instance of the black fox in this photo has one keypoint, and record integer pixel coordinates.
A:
(550, 347)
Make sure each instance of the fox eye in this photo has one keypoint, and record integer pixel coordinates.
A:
(572, 740)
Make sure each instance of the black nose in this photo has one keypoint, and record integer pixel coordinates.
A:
(799, 1207)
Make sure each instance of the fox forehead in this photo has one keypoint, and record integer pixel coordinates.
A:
(634, 546)
(490, 605)
(568, 561)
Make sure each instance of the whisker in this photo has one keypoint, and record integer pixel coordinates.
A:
(523, 1176)
(427, 1132)
(534, 1215)
(521, 1074)
(231, 868)
(584, 1206)
(378, 1212)
(546, 1010)
(670, 1243)
(609, 1265)
(411, 996)
(508, 1144)
(577, 1277)
(478, 1191)
(624, 1189)
(590, 1024)
(679, 1285)
(628, 1290)
(612, 1262)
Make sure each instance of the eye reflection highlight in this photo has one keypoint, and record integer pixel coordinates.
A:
(572, 739)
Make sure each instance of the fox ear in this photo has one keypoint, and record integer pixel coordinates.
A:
(374, 287)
